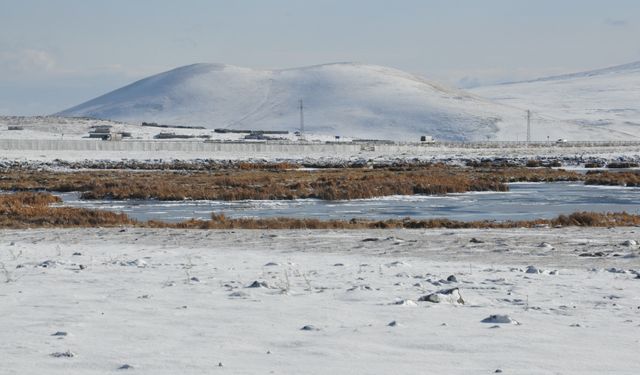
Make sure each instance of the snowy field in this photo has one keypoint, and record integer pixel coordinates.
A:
(315, 153)
(94, 301)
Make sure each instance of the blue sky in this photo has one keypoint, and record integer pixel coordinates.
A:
(55, 54)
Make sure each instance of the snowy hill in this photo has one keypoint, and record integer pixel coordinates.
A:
(345, 99)
(340, 99)
(605, 99)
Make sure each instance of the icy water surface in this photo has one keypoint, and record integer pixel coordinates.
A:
(524, 201)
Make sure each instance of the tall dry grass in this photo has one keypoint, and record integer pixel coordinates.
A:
(22, 210)
(277, 183)
(613, 178)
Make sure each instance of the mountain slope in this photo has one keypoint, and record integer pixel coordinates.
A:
(342, 99)
(355, 100)
(605, 99)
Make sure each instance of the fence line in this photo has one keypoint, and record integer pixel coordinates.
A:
(280, 147)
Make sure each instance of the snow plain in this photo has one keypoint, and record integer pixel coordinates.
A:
(344, 302)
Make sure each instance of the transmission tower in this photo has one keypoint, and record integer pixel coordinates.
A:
(301, 117)
(528, 126)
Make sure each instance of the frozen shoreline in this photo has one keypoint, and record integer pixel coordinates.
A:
(176, 301)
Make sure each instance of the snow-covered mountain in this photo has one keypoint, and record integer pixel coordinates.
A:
(345, 99)
(606, 99)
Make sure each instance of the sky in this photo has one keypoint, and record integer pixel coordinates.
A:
(56, 54)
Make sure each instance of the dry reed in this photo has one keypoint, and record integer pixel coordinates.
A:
(277, 183)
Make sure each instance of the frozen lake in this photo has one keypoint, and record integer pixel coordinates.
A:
(524, 201)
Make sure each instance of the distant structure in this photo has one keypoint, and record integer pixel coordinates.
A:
(156, 125)
(241, 131)
(301, 117)
(172, 135)
(105, 133)
(528, 126)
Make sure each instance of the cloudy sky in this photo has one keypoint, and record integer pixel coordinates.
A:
(55, 54)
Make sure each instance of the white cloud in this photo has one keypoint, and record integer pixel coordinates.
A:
(29, 65)
(26, 61)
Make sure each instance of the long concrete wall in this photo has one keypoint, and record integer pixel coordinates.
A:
(176, 146)
(51, 149)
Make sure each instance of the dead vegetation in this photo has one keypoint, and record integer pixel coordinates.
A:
(24, 210)
(278, 182)
(622, 165)
(613, 178)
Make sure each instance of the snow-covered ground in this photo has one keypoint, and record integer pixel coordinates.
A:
(56, 128)
(92, 301)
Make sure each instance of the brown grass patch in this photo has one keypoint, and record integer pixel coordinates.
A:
(22, 210)
(277, 183)
(613, 178)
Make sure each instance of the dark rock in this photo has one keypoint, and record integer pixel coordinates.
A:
(309, 328)
(593, 255)
(67, 354)
(258, 284)
(447, 295)
(370, 239)
(499, 319)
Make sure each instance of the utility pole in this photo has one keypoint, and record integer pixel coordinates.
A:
(301, 117)
(528, 126)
